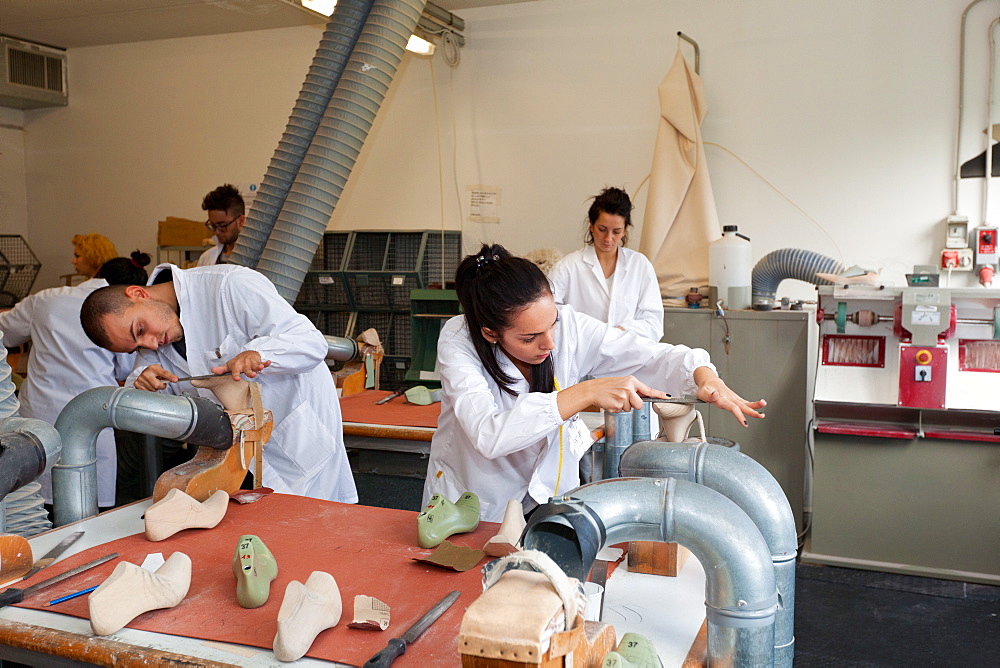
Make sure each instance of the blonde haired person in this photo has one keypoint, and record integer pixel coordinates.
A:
(90, 252)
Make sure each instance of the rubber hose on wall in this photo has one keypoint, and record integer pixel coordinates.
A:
(328, 64)
(316, 190)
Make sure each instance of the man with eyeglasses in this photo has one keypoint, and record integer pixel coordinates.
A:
(226, 215)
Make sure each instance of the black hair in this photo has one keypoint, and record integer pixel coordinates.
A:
(493, 287)
(109, 300)
(124, 270)
(612, 201)
(224, 198)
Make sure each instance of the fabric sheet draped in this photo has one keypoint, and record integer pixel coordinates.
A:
(680, 219)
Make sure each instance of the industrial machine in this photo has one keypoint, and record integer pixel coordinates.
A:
(906, 463)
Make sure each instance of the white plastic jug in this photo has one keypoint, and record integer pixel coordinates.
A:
(729, 268)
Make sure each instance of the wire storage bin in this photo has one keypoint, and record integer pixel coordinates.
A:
(364, 279)
(383, 267)
(19, 268)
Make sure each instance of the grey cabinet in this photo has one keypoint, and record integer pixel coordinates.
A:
(761, 355)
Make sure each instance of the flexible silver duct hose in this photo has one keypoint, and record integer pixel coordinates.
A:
(316, 190)
(30, 441)
(751, 487)
(185, 418)
(740, 593)
(334, 49)
(784, 263)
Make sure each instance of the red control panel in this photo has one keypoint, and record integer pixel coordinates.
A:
(922, 374)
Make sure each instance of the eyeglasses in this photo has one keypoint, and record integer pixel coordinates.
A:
(215, 227)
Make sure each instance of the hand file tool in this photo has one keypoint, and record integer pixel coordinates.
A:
(15, 595)
(54, 553)
(397, 646)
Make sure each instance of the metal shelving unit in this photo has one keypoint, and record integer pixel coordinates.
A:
(364, 279)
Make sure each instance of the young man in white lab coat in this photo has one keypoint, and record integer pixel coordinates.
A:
(230, 319)
(226, 215)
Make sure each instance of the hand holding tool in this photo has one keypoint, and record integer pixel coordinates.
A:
(397, 646)
(15, 595)
(54, 553)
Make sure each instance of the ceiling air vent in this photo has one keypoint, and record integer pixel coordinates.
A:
(32, 75)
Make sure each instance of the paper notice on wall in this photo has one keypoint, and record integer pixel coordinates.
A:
(484, 204)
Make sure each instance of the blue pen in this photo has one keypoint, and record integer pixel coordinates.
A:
(69, 596)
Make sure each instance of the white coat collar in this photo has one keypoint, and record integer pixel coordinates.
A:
(621, 267)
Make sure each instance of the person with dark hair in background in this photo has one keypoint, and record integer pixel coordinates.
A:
(226, 216)
(65, 363)
(606, 280)
(509, 428)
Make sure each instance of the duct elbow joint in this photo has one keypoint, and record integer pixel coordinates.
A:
(22, 460)
(212, 426)
(569, 532)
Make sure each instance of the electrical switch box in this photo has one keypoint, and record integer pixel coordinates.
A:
(922, 374)
(956, 232)
(986, 246)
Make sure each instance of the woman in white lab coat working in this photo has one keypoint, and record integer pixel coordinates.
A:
(606, 280)
(509, 428)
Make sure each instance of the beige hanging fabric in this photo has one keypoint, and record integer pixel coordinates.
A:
(680, 220)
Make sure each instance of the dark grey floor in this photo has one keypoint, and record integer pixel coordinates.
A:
(847, 617)
(843, 617)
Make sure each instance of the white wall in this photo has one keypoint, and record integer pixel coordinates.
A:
(13, 188)
(847, 107)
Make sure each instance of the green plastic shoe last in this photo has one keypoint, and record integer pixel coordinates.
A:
(442, 518)
(634, 651)
(422, 396)
(254, 567)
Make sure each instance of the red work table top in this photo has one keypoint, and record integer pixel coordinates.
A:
(367, 550)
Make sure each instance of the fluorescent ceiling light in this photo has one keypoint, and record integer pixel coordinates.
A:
(420, 46)
(324, 7)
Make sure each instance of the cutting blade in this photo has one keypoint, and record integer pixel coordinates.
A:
(673, 400)
(54, 553)
(208, 376)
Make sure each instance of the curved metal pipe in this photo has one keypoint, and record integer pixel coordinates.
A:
(22, 460)
(740, 593)
(31, 440)
(335, 46)
(784, 263)
(46, 435)
(195, 420)
(751, 487)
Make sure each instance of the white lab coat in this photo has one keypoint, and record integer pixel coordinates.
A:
(211, 256)
(64, 364)
(226, 309)
(634, 301)
(508, 448)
